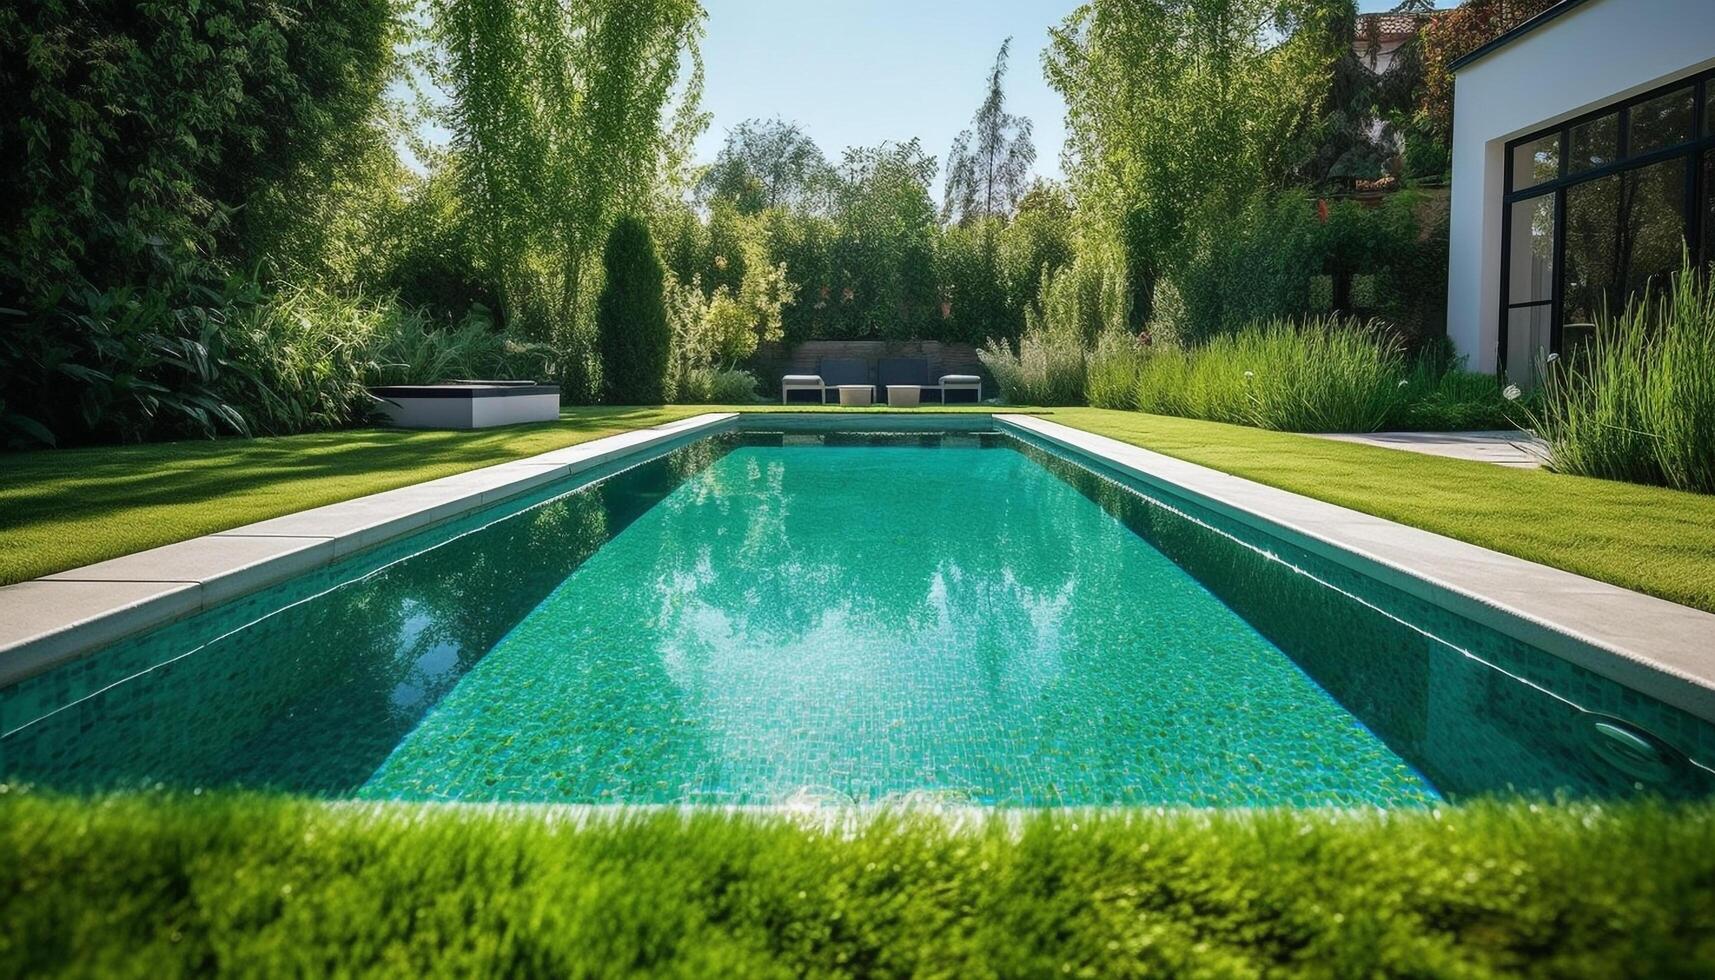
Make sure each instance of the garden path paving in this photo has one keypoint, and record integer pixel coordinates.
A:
(1504, 447)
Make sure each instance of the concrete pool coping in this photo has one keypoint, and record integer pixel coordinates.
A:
(1655, 647)
(57, 618)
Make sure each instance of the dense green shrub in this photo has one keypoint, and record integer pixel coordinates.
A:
(1400, 246)
(129, 366)
(266, 887)
(716, 386)
(148, 148)
(429, 255)
(864, 252)
(969, 277)
(711, 333)
(1322, 375)
(299, 358)
(631, 317)
(122, 364)
(1041, 237)
(1265, 261)
(1441, 396)
(1253, 264)
(1638, 402)
(138, 136)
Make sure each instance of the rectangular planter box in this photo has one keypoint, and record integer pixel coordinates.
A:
(467, 405)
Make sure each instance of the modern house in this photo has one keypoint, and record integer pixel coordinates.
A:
(1583, 162)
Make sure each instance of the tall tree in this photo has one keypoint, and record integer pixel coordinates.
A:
(1177, 105)
(1346, 144)
(885, 245)
(631, 317)
(989, 166)
(557, 111)
(768, 164)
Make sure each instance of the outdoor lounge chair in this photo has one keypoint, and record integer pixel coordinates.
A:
(831, 373)
(917, 371)
(802, 382)
(962, 384)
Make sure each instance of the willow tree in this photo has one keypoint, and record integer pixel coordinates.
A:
(559, 111)
(1178, 105)
(989, 167)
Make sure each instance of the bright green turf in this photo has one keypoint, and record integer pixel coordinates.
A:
(1645, 538)
(277, 887)
(61, 509)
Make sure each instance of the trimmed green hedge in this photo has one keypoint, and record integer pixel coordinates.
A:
(167, 885)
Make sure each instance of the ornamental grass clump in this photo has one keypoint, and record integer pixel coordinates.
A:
(1324, 375)
(1638, 403)
(1046, 368)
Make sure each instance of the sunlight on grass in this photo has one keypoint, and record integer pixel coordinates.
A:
(276, 886)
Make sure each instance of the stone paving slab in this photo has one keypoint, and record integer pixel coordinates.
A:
(1502, 447)
(220, 566)
(45, 622)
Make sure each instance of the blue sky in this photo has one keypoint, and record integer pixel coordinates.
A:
(857, 72)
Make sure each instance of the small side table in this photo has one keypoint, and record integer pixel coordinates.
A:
(856, 394)
(904, 396)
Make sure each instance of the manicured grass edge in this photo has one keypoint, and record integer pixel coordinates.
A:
(1648, 539)
(173, 884)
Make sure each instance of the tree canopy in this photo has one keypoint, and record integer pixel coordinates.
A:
(558, 111)
(989, 166)
(768, 164)
(1173, 104)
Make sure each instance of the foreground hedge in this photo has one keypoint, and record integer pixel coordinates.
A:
(164, 886)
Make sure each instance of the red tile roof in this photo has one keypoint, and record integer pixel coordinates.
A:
(1390, 26)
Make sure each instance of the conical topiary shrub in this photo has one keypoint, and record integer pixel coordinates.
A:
(631, 318)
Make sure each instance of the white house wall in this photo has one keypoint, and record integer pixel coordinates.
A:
(1597, 53)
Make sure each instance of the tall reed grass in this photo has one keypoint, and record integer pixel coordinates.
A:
(1111, 372)
(1047, 367)
(1322, 375)
(1638, 403)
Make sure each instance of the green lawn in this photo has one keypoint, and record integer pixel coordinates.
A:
(270, 887)
(1645, 538)
(61, 509)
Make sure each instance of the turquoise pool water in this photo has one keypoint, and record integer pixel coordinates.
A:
(806, 617)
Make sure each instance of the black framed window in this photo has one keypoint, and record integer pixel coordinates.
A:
(1598, 208)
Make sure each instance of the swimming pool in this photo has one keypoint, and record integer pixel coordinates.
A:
(786, 613)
